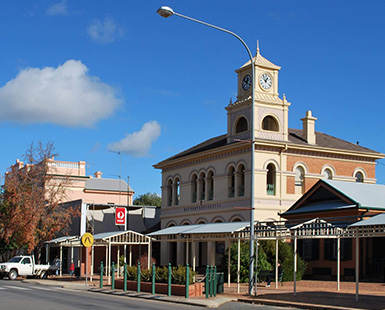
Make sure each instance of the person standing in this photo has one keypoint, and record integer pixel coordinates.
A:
(57, 264)
(72, 269)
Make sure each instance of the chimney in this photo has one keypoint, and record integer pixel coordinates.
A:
(98, 174)
(308, 131)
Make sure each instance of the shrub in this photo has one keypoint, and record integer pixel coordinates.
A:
(266, 260)
(144, 261)
(285, 258)
(161, 274)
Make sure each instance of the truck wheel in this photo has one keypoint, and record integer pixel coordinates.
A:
(12, 275)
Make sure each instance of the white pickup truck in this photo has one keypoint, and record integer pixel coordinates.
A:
(22, 266)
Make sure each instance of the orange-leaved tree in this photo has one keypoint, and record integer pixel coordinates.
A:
(31, 211)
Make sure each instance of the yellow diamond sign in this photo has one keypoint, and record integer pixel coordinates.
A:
(87, 240)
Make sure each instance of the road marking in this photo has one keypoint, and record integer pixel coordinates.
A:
(18, 288)
(42, 288)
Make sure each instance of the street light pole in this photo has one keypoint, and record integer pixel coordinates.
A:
(166, 11)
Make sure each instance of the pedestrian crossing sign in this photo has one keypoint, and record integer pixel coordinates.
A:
(87, 240)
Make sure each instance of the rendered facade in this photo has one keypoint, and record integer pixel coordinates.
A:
(210, 182)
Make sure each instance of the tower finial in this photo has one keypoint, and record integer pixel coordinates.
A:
(257, 47)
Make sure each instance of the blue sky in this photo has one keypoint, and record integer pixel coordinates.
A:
(94, 76)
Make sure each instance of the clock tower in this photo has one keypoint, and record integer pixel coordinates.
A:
(270, 111)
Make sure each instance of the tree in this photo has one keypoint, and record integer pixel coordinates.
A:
(149, 199)
(263, 263)
(266, 259)
(285, 258)
(31, 211)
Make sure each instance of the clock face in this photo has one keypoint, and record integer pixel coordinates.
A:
(265, 81)
(246, 82)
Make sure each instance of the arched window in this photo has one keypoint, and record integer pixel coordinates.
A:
(202, 186)
(218, 220)
(270, 123)
(231, 182)
(241, 125)
(236, 219)
(177, 191)
(299, 180)
(270, 186)
(210, 185)
(169, 193)
(328, 175)
(359, 177)
(241, 183)
(194, 188)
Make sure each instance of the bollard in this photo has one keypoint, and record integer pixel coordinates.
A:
(207, 285)
(211, 281)
(101, 275)
(187, 280)
(169, 278)
(215, 281)
(153, 279)
(138, 288)
(125, 277)
(113, 276)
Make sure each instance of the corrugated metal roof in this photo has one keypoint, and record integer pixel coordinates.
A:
(367, 195)
(63, 239)
(322, 206)
(373, 221)
(107, 185)
(110, 234)
(202, 229)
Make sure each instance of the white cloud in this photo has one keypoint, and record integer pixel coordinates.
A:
(65, 95)
(58, 9)
(104, 32)
(138, 143)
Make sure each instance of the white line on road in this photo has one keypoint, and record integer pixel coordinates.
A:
(41, 288)
(18, 288)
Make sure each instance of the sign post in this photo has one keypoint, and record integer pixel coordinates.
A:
(120, 216)
(87, 241)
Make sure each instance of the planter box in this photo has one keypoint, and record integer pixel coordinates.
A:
(195, 289)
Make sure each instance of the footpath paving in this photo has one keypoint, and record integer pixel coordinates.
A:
(309, 294)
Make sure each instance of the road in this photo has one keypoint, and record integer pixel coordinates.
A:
(16, 295)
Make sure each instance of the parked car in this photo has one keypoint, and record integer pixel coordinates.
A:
(23, 265)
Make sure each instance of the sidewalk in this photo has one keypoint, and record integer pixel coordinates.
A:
(315, 295)
(310, 294)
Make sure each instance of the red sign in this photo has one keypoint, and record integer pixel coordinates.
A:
(120, 216)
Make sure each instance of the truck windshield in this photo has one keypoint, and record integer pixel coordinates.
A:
(15, 259)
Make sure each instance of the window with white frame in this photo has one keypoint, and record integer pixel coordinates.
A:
(299, 180)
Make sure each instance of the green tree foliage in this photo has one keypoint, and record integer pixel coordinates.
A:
(266, 259)
(285, 258)
(31, 211)
(149, 199)
(263, 263)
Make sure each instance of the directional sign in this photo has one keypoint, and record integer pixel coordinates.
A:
(87, 240)
(120, 216)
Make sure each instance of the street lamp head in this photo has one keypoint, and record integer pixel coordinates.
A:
(165, 11)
